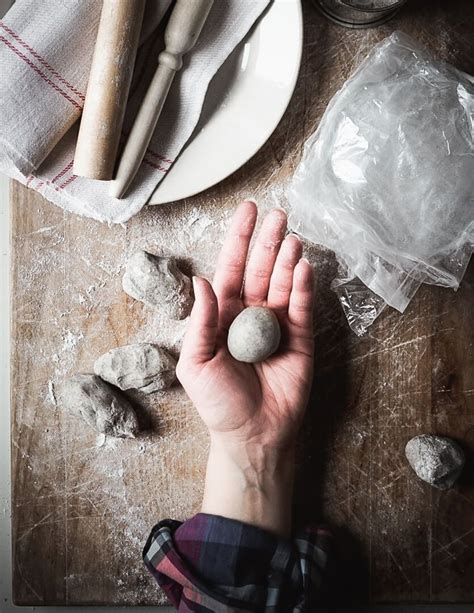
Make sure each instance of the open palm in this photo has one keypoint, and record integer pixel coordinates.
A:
(252, 402)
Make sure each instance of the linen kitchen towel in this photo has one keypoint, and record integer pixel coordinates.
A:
(45, 55)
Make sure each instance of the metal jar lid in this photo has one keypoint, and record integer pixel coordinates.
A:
(359, 13)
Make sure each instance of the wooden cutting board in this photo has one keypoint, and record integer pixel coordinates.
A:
(83, 507)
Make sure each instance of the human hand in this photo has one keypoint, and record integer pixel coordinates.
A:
(262, 403)
(253, 411)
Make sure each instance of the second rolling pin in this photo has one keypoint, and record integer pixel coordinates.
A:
(108, 88)
(183, 29)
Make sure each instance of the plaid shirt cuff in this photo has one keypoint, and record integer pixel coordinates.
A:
(211, 563)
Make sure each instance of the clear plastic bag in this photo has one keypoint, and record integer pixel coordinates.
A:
(387, 179)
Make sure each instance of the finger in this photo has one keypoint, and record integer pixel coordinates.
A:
(200, 339)
(300, 309)
(281, 280)
(263, 256)
(230, 267)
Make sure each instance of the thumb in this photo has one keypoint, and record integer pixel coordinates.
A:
(200, 339)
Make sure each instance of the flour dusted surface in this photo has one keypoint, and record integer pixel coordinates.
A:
(92, 495)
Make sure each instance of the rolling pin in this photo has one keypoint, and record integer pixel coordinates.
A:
(181, 33)
(108, 88)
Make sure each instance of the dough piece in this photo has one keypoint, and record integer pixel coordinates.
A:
(100, 405)
(157, 282)
(435, 459)
(254, 335)
(142, 366)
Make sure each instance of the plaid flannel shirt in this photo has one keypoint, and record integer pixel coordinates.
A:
(213, 564)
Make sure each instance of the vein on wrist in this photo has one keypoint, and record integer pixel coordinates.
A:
(250, 482)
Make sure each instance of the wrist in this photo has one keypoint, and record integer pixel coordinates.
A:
(251, 482)
(254, 457)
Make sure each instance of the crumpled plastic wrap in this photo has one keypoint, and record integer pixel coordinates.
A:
(387, 179)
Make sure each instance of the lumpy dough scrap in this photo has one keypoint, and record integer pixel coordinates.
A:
(141, 366)
(435, 459)
(100, 405)
(157, 282)
(254, 335)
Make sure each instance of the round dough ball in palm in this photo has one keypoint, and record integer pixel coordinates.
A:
(254, 335)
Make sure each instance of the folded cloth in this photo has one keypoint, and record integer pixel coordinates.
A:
(45, 55)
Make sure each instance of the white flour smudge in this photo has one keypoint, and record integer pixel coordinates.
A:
(70, 340)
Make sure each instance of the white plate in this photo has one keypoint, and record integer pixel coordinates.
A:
(253, 89)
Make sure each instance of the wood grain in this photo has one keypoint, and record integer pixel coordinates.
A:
(108, 87)
(82, 510)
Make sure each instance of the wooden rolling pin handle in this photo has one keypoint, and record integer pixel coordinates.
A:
(183, 30)
(108, 88)
(173, 62)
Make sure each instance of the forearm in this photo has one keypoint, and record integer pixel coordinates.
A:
(251, 483)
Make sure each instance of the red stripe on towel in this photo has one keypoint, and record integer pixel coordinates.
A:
(40, 59)
(41, 74)
(153, 165)
(160, 157)
(63, 172)
(68, 181)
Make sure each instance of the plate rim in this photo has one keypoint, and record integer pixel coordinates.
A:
(155, 199)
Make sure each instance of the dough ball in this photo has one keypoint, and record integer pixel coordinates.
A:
(254, 335)
(157, 282)
(142, 366)
(435, 459)
(100, 405)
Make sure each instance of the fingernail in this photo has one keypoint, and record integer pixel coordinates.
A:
(305, 260)
(293, 235)
(195, 282)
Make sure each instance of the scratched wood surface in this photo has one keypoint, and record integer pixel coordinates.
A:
(82, 506)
